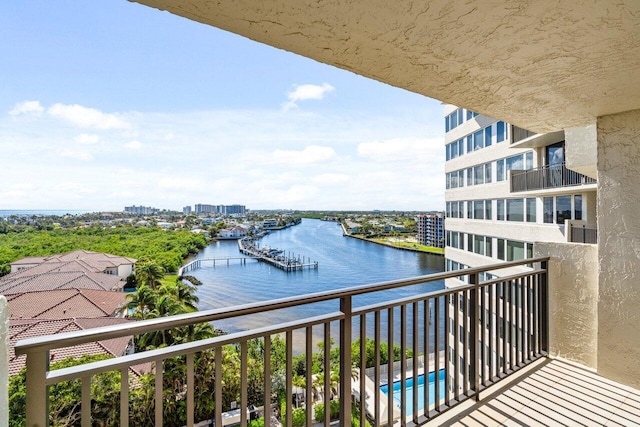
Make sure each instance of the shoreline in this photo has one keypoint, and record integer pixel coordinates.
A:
(364, 239)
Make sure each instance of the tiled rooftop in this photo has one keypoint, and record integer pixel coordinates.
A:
(32, 280)
(65, 303)
(554, 393)
(22, 329)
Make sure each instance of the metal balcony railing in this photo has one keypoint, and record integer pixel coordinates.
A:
(518, 134)
(584, 235)
(475, 334)
(545, 177)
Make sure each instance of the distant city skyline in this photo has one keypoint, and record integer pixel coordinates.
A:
(105, 105)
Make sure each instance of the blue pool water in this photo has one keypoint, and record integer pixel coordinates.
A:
(431, 383)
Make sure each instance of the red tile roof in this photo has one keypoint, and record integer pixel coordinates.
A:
(21, 329)
(65, 303)
(37, 279)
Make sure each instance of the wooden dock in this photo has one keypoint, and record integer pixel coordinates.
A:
(197, 263)
(275, 257)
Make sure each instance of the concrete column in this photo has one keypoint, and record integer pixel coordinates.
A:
(4, 362)
(619, 247)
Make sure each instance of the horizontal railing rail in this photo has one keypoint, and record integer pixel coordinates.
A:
(544, 177)
(475, 335)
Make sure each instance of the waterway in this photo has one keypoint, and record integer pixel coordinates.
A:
(342, 262)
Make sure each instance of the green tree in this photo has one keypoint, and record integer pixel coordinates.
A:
(149, 273)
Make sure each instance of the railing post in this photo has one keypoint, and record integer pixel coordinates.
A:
(545, 305)
(584, 234)
(475, 331)
(37, 390)
(345, 361)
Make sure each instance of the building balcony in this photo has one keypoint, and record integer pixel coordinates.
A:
(546, 177)
(471, 339)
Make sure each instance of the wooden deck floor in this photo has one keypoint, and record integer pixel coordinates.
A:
(554, 393)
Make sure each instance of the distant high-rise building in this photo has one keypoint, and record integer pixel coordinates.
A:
(186, 210)
(141, 210)
(235, 209)
(201, 208)
(431, 230)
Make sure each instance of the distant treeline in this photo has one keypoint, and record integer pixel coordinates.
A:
(167, 248)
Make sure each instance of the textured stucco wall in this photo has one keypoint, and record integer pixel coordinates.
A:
(4, 362)
(581, 152)
(543, 65)
(619, 247)
(573, 300)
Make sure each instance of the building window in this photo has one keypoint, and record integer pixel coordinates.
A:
(577, 209)
(501, 249)
(500, 209)
(487, 136)
(487, 210)
(478, 245)
(515, 162)
(487, 172)
(531, 209)
(548, 210)
(478, 174)
(563, 209)
(469, 176)
(478, 209)
(489, 247)
(478, 140)
(515, 250)
(515, 210)
(501, 134)
(500, 170)
(529, 250)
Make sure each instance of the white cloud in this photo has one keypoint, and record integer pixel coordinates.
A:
(133, 145)
(311, 154)
(77, 154)
(402, 149)
(304, 92)
(27, 107)
(87, 138)
(330, 179)
(86, 117)
(177, 183)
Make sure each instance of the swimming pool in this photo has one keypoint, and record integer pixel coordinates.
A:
(397, 391)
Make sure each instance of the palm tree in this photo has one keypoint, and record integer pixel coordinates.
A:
(149, 273)
(142, 303)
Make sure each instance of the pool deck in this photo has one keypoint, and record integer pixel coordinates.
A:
(551, 392)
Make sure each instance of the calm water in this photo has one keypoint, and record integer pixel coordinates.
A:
(343, 262)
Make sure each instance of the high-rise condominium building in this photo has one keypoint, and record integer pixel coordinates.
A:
(508, 188)
(431, 229)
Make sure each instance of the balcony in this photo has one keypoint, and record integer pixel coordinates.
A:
(546, 177)
(474, 336)
(583, 234)
(519, 134)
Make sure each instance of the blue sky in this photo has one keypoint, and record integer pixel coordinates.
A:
(109, 103)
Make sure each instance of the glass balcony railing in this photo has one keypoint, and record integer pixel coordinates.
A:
(473, 335)
(545, 177)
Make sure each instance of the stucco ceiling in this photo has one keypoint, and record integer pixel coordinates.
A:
(541, 64)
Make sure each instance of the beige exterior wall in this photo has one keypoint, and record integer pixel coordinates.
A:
(573, 300)
(619, 247)
(581, 150)
(522, 231)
